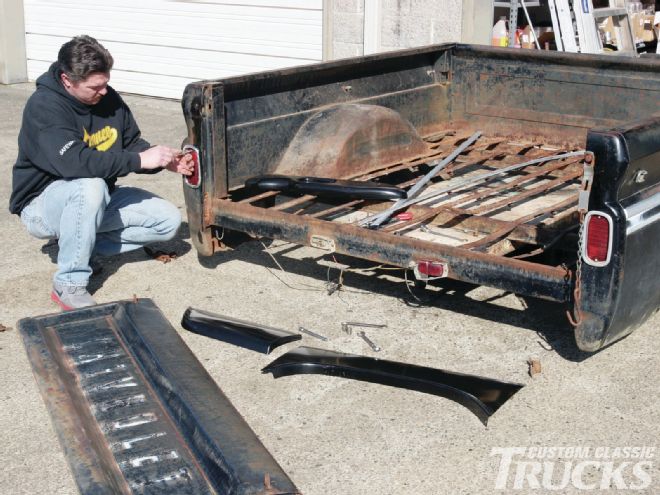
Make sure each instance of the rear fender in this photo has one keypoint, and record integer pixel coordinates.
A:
(617, 298)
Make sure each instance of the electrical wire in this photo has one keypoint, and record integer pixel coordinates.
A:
(306, 287)
(340, 283)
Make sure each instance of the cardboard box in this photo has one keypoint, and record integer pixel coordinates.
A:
(527, 38)
(642, 25)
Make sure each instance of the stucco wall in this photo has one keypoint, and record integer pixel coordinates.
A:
(401, 23)
(408, 23)
(347, 27)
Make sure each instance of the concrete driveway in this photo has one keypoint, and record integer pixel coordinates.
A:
(340, 436)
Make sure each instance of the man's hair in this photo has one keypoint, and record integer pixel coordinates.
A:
(83, 55)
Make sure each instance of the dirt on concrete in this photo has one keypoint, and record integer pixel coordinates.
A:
(334, 435)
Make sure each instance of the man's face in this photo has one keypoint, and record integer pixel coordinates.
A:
(90, 90)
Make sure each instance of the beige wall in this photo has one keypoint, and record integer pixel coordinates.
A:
(404, 24)
(13, 67)
(347, 19)
(409, 23)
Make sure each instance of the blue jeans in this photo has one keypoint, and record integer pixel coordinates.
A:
(86, 219)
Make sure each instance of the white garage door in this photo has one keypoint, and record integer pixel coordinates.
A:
(161, 45)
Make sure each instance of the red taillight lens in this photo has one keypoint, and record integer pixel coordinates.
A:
(430, 269)
(597, 241)
(405, 216)
(194, 179)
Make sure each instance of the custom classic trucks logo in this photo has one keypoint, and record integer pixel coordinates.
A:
(583, 468)
(102, 140)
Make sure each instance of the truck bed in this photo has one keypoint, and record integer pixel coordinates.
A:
(518, 213)
(390, 117)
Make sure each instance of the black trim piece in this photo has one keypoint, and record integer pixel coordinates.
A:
(327, 187)
(136, 412)
(252, 336)
(482, 396)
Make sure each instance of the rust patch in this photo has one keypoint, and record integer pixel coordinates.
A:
(351, 138)
(469, 266)
(207, 212)
(272, 490)
(125, 407)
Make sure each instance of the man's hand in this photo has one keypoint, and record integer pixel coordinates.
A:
(182, 163)
(169, 158)
(157, 156)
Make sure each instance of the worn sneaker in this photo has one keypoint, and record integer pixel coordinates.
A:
(71, 296)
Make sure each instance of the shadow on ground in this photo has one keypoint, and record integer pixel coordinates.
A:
(547, 319)
(111, 264)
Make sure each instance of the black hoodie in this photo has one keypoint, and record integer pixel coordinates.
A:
(62, 138)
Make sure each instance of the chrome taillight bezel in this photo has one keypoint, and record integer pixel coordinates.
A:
(585, 239)
(189, 148)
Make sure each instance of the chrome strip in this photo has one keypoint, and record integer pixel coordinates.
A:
(642, 213)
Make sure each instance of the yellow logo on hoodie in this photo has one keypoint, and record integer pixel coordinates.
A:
(101, 140)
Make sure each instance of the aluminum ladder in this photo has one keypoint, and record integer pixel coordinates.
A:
(581, 16)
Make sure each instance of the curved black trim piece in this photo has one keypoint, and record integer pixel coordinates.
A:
(237, 332)
(327, 187)
(482, 396)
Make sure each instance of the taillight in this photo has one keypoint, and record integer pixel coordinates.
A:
(194, 179)
(597, 242)
(426, 270)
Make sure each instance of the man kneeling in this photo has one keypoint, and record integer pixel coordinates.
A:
(77, 137)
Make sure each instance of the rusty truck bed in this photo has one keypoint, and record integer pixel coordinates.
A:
(389, 117)
(519, 213)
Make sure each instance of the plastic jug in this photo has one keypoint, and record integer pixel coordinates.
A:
(500, 35)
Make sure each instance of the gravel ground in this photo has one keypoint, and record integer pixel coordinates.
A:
(330, 434)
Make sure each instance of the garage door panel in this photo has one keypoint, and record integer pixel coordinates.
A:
(154, 84)
(192, 64)
(304, 49)
(270, 10)
(285, 4)
(241, 36)
(219, 43)
(277, 28)
(160, 45)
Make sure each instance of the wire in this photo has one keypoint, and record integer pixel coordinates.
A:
(340, 283)
(309, 288)
(405, 276)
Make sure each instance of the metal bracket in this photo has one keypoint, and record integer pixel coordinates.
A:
(587, 182)
(321, 242)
